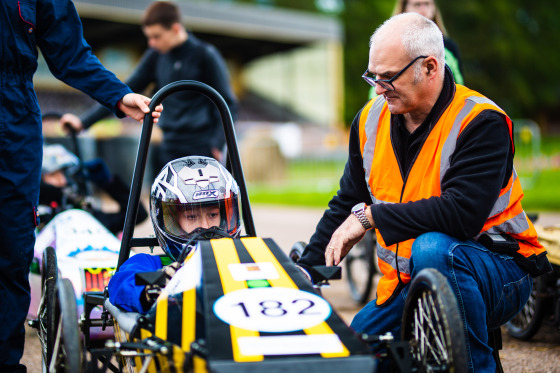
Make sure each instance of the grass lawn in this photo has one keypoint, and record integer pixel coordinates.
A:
(545, 194)
(541, 177)
(307, 183)
(314, 183)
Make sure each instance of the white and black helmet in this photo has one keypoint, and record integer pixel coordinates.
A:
(56, 157)
(184, 188)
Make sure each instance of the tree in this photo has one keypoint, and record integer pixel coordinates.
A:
(509, 52)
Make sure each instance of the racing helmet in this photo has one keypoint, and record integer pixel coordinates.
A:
(193, 198)
(56, 157)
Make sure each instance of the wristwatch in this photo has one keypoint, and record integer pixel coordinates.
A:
(359, 210)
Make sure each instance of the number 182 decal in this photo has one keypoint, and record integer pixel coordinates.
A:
(272, 309)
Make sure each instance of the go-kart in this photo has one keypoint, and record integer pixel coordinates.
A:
(249, 309)
(543, 305)
(72, 244)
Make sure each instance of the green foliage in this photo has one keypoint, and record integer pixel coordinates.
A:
(360, 19)
(507, 51)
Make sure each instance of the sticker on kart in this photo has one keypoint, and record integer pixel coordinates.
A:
(269, 309)
(77, 234)
(96, 279)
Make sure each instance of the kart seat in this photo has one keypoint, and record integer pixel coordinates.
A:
(126, 320)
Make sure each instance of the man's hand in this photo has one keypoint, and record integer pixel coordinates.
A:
(136, 106)
(344, 238)
(71, 120)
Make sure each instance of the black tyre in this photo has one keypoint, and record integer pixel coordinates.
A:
(432, 325)
(47, 323)
(360, 268)
(526, 324)
(297, 251)
(67, 345)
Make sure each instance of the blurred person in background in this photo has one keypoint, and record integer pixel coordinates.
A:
(54, 27)
(430, 10)
(61, 174)
(191, 124)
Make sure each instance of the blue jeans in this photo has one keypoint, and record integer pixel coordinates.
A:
(490, 289)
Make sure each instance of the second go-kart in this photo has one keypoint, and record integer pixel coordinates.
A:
(543, 306)
(247, 308)
(72, 244)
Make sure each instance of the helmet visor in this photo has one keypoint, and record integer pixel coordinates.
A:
(181, 220)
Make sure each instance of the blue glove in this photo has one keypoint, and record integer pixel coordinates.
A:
(97, 171)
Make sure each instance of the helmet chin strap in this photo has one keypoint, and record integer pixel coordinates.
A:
(201, 233)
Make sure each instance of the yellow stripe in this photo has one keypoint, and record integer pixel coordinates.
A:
(260, 252)
(121, 337)
(324, 328)
(161, 316)
(225, 254)
(199, 365)
(189, 319)
(144, 334)
(178, 359)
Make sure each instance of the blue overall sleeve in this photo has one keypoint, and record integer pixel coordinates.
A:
(70, 58)
(123, 291)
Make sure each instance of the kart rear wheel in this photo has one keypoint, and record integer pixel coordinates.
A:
(432, 325)
(46, 314)
(526, 324)
(360, 268)
(66, 355)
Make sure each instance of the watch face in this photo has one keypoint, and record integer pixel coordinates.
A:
(358, 207)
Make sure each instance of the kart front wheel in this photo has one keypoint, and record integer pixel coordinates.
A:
(432, 325)
(46, 314)
(66, 356)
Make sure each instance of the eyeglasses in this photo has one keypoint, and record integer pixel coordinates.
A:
(387, 84)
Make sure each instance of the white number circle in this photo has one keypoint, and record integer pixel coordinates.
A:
(272, 309)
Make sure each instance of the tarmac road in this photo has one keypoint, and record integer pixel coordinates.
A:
(289, 225)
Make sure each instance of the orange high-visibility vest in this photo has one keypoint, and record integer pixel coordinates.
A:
(386, 184)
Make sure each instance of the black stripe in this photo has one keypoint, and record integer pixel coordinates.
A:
(217, 331)
(297, 276)
(352, 343)
(175, 319)
(242, 252)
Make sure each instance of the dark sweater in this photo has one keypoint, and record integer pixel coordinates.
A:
(480, 166)
(188, 117)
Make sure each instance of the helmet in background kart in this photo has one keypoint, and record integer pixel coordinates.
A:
(192, 196)
(56, 157)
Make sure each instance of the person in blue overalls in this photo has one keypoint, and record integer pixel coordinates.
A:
(55, 28)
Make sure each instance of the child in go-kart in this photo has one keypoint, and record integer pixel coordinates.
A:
(192, 198)
(59, 171)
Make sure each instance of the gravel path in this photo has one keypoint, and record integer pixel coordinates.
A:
(287, 225)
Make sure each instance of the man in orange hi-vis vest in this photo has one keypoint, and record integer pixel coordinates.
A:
(430, 168)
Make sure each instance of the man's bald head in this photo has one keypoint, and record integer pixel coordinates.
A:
(412, 33)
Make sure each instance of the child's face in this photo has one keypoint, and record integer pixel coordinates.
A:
(204, 217)
(56, 178)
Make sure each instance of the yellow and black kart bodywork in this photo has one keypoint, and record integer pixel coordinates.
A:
(254, 311)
